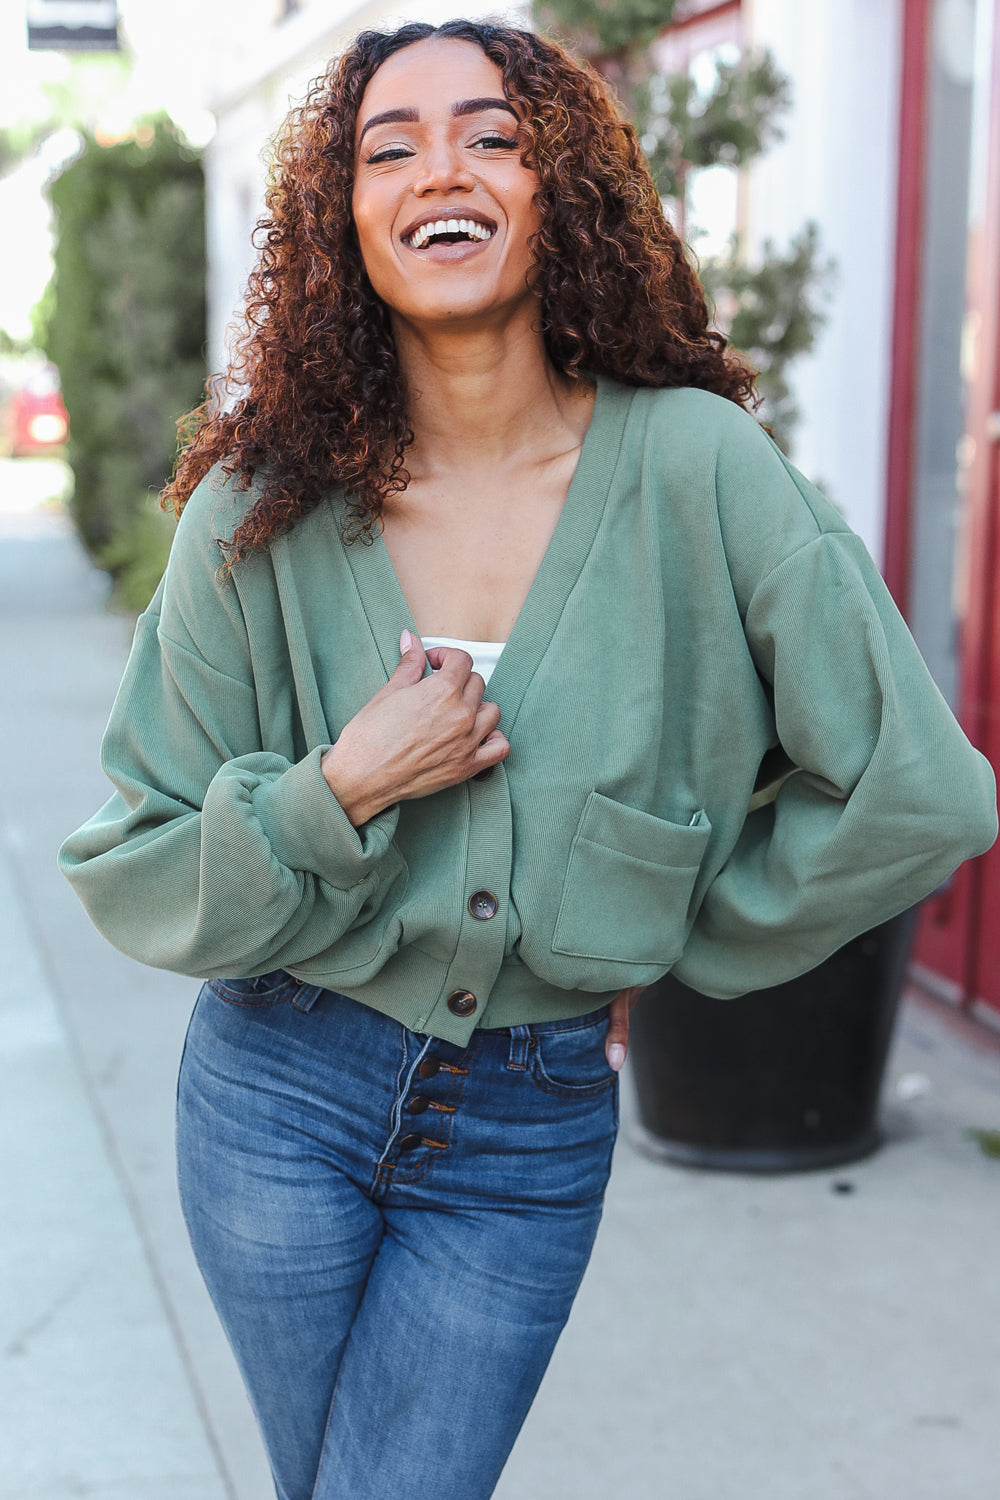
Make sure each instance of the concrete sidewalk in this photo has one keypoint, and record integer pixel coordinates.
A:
(735, 1338)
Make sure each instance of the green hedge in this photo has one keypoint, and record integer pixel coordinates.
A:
(127, 331)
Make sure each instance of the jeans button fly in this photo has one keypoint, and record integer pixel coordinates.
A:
(417, 1104)
(429, 1067)
(410, 1142)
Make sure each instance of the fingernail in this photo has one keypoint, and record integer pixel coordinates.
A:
(616, 1057)
(405, 642)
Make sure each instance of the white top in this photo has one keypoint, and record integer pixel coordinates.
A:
(485, 654)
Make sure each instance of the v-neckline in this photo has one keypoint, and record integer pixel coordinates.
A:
(386, 604)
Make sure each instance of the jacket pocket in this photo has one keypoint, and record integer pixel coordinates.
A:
(628, 884)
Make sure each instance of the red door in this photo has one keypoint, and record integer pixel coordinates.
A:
(960, 933)
(984, 979)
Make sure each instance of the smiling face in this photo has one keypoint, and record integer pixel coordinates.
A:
(442, 203)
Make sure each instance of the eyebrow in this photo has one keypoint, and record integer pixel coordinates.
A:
(410, 116)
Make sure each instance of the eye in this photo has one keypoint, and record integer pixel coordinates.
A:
(492, 140)
(388, 153)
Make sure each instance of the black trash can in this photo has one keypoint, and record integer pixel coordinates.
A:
(778, 1080)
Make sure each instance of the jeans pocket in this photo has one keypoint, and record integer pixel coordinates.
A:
(262, 989)
(568, 1059)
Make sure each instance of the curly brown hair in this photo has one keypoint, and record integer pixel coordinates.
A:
(320, 399)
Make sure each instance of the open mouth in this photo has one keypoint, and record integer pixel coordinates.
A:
(447, 232)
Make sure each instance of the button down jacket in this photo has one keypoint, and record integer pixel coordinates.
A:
(702, 621)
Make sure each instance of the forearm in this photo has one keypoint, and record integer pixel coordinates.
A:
(361, 798)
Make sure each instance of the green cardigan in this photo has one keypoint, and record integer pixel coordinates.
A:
(699, 605)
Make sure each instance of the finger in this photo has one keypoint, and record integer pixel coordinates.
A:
(452, 662)
(474, 689)
(412, 661)
(487, 719)
(616, 1042)
(493, 749)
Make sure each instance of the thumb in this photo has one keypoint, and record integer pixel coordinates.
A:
(412, 661)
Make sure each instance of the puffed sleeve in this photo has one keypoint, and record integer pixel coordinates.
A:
(885, 796)
(215, 856)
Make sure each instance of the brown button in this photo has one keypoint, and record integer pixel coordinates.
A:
(462, 1002)
(417, 1104)
(483, 905)
(484, 773)
(410, 1142)
(429, 1067)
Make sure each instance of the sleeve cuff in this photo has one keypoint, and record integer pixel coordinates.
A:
(308, 829)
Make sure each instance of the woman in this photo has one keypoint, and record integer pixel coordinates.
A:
(483, 427)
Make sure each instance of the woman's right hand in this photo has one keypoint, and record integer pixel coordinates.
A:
(417, 735)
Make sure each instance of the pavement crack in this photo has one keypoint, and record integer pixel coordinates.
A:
(21, 1341)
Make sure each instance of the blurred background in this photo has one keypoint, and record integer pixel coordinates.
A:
(834, 167)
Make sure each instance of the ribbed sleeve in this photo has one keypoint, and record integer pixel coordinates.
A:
(888, 796)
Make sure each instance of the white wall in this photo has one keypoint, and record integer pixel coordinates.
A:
(837, 165)
(234, 178)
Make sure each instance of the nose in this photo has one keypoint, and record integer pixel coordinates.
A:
(443, 169)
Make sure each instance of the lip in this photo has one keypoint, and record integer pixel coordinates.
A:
(462, 250)
(449, 211)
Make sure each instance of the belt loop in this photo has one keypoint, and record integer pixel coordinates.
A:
(520, 1041)
(304, 996)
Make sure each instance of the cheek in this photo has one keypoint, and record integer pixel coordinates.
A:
(531, 223)
(362, 224)
(372, 221)
(528, 214)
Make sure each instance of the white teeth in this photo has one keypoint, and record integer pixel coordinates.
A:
(418, 239)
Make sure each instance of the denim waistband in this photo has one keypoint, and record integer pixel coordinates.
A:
(568, 1023)
(305, 995)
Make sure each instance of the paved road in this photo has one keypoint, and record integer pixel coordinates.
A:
(735, 1339)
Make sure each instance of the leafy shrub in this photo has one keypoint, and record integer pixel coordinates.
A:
(137, 555)
(771, 310)
(127, 330)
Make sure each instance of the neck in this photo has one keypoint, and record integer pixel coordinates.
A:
(481, 396)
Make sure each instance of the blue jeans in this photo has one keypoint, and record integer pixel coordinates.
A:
(392, 1228)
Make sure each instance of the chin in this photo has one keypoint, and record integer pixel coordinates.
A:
(449, 310)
